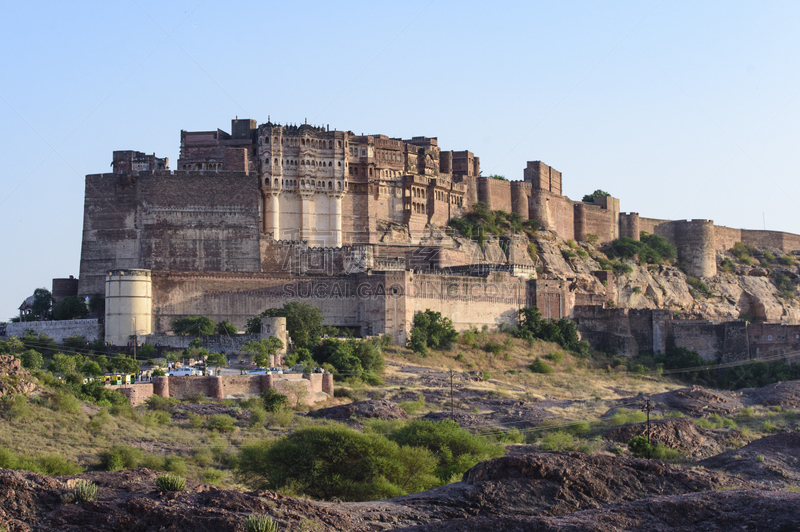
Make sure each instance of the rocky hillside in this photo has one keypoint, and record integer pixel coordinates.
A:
(745, 291)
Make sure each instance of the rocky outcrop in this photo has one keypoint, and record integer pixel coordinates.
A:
(380, 409)
(14, 379)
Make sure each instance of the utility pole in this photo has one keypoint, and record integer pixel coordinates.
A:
(135, 339)
(647, 408)
(452, 407)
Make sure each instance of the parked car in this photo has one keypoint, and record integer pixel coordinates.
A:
(297, 368)
(275, 370)
(258, 371)
(183, 372)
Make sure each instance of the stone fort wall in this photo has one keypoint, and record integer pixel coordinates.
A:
(168, 221)
(90, 329)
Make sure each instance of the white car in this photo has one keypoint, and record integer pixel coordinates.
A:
(257, 371)
(275, 370)
(182, 372)
(297, 368)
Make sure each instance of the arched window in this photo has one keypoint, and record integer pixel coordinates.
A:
(330, 185)
(276, 162)
(330, 164)
(339, 163)
(338, 185)
(302, 163)
(276, 182)
(302, 182)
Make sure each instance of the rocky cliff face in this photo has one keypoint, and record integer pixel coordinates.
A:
(748, 292)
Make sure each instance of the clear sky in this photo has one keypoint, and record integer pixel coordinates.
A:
(681, 109)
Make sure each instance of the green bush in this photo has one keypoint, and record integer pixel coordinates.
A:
(221, 423)
(175, 464)
(493, 348)
(120, 457)
(193, 326)
(84, 491)
(170, 483)
(559, 441)
(212, 476)
(555, 357)
(640, 447)
(431, 330)
(273, 400)
(335, 461)
(455, 448)
(258, 417)
(540, 366)
(412, 407)
(260, 523)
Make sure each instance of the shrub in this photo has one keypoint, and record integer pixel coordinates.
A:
(412, 407)
(170, 483)
(281, 416)
(640, 447)
(193, 325)
(468, 338)
(260, 523)
(221, 423)
(555, 357)
(493, 348)
(32, 359)
(336, 461)
(431, 330)
(83, 491)
(120, 457)
(759, 458)
(258, 417)
(540, 366)
(212, 476)
(559, 441)
(195, 421)
(155, 418)
(175, 464)
(456, 449)
(699, 286)
(155, 402)
(16, 407)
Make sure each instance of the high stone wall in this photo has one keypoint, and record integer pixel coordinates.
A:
(58, 330)
(190, 221)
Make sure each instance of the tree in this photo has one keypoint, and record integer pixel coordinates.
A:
(97, 304)
(65, 364)
(124, 364)
(261, 350)
(70, 308)
(431, 329)
(32, 359)
(337, 461)
(226, 327)
(217, 360)
(303, 323)
(193, 326)
(42, 302)
(589, 198)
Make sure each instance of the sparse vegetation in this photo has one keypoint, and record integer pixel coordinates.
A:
(260, 523)
(84, 491)
(170, 483)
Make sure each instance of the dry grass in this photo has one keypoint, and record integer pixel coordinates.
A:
(509, 372)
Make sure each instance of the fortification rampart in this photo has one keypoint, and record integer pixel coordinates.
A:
(168, 221)
(58, 330)
(305, 389)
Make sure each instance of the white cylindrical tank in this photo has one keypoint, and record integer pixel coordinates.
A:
(129, 304)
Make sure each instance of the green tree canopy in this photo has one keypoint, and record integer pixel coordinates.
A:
(303, 323)
(226, 327)
(217, 360)
(337, 461)
(431, 329)
(70, 308)
(589, 198)
(42, 302)
(193, 326)
(261, 350)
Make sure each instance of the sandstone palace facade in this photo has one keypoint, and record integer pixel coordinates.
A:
(355, 224)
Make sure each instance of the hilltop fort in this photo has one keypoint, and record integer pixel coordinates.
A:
(354, 224)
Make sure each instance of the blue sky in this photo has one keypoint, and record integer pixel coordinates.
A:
(680, 109)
